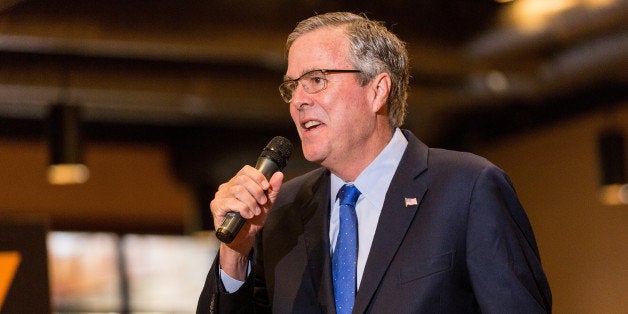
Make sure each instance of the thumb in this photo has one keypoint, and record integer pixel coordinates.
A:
(275, 185)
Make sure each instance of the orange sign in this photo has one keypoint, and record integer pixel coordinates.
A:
(9, 262)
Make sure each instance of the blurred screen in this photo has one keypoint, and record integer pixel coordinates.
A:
(105, 272)
(84, 273)
(167, 273)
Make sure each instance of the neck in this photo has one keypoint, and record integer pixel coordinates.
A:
(355, 162)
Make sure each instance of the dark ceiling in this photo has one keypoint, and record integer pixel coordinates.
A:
(155, 70)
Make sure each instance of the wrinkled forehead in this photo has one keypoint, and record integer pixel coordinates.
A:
(324, 48)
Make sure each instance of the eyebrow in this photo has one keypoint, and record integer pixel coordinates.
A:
(287, 78)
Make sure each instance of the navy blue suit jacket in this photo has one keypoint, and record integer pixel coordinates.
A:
(466, 247)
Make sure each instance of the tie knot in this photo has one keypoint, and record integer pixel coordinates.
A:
(348, 195)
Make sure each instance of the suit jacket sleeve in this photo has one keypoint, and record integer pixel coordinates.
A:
(214, 297)
(502, 257)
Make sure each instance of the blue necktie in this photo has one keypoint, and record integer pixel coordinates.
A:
(345, 258)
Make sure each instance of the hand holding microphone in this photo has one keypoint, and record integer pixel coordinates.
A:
(272, 159)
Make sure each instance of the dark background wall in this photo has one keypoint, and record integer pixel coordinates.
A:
(176, 96)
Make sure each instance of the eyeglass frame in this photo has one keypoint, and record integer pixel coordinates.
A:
(283, 85)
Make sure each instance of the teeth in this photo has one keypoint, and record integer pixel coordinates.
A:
(310, 124)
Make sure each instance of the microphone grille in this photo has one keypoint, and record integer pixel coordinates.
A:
(278, 150)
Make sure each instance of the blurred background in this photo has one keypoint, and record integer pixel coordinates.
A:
(119, 119)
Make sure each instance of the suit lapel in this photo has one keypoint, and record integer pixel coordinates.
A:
(315, 215)
(395, 218)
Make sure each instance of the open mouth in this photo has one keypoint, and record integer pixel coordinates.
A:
(312, 124)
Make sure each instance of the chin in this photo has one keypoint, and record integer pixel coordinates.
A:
(312, 156)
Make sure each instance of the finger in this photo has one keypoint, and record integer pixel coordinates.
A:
(275, 185)
(244, 187)
(221, 206)
(255, 175)
(248, 199)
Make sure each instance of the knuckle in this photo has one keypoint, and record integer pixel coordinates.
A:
(236, 189)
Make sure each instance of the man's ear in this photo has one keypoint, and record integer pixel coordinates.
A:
(380, 88)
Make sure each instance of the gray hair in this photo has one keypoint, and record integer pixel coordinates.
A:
(374, 50)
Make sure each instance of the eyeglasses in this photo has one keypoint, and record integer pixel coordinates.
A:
(312, 82)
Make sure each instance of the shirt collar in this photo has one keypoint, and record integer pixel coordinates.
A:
(378, 173)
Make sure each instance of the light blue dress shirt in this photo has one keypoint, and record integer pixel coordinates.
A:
(373, 183)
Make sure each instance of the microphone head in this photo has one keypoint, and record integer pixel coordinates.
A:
(278, 150)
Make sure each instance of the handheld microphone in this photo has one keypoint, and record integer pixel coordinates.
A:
(272, 159)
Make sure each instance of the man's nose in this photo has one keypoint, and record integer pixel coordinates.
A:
(300, 97)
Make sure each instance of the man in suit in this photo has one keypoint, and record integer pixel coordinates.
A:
(437, 231)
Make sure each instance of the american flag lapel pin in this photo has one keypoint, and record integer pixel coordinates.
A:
(410, 201)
